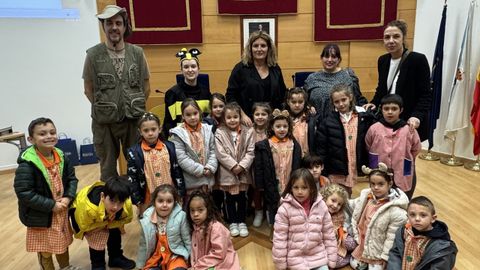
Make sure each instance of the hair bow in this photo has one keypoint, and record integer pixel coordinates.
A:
(381, 167)
(276, 113)
(183, 54)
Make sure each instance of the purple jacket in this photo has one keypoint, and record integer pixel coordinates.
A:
(301, 241)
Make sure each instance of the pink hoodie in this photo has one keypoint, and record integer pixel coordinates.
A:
(215, 250)
(300, 241)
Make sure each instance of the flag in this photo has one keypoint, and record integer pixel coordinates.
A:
(475, 116)
(437, 71)
(458, 114)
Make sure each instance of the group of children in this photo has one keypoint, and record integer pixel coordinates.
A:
(280, 159)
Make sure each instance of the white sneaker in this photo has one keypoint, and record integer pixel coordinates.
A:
(234, 230)
(257, 221)
(242, 227)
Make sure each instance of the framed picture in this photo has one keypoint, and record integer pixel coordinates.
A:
(251, 24)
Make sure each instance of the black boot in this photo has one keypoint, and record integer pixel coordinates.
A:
(121, 262)
(115, 252)
(97, 259)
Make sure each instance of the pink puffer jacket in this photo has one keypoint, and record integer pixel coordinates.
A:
(301, 242)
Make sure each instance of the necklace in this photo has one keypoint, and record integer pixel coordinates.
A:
(116, 50)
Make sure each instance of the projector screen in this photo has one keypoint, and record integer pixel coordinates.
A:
(41, 72)
(36, 9)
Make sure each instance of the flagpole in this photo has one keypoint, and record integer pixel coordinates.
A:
(452, 160)
(473, 166)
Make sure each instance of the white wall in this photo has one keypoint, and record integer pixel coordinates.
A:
(428, 18)
(41, 73)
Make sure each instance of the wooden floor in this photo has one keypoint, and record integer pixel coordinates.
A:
(454, 191)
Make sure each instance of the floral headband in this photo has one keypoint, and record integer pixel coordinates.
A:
(183, 54)
(276, 113)
(381, 167)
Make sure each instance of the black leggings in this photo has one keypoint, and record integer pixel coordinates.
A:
(236, 207)
(218, 196)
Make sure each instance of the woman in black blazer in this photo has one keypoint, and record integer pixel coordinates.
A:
(411, 81)
(257, 78)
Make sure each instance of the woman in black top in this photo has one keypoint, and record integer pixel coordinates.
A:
(257, 78)
(188, 88)
(407, 74)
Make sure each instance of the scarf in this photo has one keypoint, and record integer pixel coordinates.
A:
(399, 124)
(338, 219)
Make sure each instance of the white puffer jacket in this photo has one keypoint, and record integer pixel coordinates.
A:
(383, 225)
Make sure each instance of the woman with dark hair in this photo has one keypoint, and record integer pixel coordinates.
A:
(407, 74)
(258, 77)
(319, 84)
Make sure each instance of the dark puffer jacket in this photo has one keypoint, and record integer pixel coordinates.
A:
(136, 173)
(330, 143)
(439, 254)
(35, 200)
(264, 172)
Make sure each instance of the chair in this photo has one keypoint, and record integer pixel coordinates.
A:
(300, 77)
(202, 79)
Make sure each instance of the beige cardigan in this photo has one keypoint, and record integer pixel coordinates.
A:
(228, 158)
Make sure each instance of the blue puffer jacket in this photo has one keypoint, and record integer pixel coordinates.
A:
(178, 235)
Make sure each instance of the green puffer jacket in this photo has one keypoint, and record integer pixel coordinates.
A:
(32, 186)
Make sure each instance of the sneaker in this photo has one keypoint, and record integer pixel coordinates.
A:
(242, 227)
(257, 221)
(71, 267)
(234, 229)
(121, 262)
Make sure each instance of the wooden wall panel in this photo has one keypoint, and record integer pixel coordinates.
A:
(295, 28)
(210, 7)
(365, 53)
(305, 6)
(409, 17)
(213, 57)
(221, 29)
(306, 54)
(368, 78)
(406, 4)
(297, 52)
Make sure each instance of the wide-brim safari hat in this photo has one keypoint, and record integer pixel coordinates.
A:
(109, 11)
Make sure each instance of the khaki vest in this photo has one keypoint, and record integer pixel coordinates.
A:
(115, 98)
